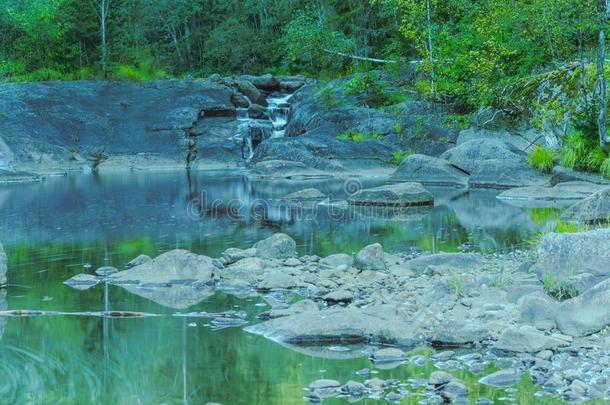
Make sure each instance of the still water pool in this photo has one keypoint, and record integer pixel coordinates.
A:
(68, 225)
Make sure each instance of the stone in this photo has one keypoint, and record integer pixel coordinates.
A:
(562, 194)
(506, 174)
(176, 266)
(292, 262)
(429, 170)
(353, 388)
(341, 295)
(332, 262)
(446, 262)
(470, 155)
(527, 339)
(538, 310)
(502, 379)
(277, 279)
(278, 168)
(82, 281)
(305, 305)
(249, 269)
(338, 325)
(562, 257)
(454, 390)
(106, 271)
(408, 194)
(388, 355)
(439, 378)
(593, 209)
(371, 257)
(3, 266)
(459, 333)
(232, 255)
(141, 259)
(587, 313)
(278, 246)
(308, 194)
(323, 384)
(563, 174)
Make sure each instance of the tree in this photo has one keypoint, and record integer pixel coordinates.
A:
(604, 13)
(103, 9)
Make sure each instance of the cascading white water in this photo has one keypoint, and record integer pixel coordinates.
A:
(277, 110)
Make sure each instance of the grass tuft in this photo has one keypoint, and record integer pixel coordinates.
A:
(542, 159)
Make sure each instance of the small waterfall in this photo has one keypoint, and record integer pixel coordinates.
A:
(277, 110)
(242, 114)
(249, 147)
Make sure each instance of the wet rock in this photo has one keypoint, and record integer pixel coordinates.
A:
(527, 339)
(593, 209)
(324, 384)
(232, 255)
(285, 169)
(388, 355)
(370, 257)
(292, 262)
(395, 195)
(249, 269)
(502, 379)
(353, 388)
(562, 194)
(338, 325)
(3, 266)
(454, 390)
(177, 296)
(82, 281)
(176, 266)
(563, 174)
(266, 82)
(296, 308)
(277, 279)
(563, 257)
(310, 194)
(250, 91)
(429, 170)
(470, 155)
(278, 246)
(141, 259)
(585, 314)
(106, 271)
(332, 262)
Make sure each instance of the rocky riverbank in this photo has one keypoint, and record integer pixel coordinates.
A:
(526, 312)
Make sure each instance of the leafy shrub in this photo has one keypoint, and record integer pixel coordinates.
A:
(142, 71)
(329, 100)
(542, 159)
(400, 155)
(560, 290)
(45, 74)
(604, 168)
(355, 136)
(373, 90)
(10, 69)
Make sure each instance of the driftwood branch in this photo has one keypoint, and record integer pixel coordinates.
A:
(346, 55)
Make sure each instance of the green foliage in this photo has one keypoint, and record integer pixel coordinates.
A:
(329, 99)
(559, 289)
(355, 136)
(142, 71)
(371, 89)
(604, 168)
(542, 159)
(455, 283)
(581, 152)
(400, 155)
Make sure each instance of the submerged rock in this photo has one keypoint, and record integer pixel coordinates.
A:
(506, 174)
(502, 379)
(568, 256)
(395, 195)
(593, 209)
(305, 195)
(177, 296)
(174, 267)
(3, 266)
(278, 246)
(429, 170)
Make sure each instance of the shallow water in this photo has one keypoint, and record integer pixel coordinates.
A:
(64, 226)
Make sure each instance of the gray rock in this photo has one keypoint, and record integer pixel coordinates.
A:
(395, 195)
(296, 308)
(3, 266)
(292, 262)
(459, 333)
(563, 257)
(333, 261)
(506, 174)
(470, 155)
(338, 325)
(278, 246)
(324, 384)
(106, 271)
(341, 295)
(173, 267)
(562, 194)
(177, 296)
(502, 379)
(454, 390)
(538, 310)
(141, 259)
(527, 339)
(439, 378)
(593, 209)
(371, 257)
(389, 354)
(429, 170)
(285, 169)
(277, 279)
(353, 388)
(446, 262)
(249, 269)
(82, 281)
(232, 255)
(308, 194)
(563, 174)
(587, 313)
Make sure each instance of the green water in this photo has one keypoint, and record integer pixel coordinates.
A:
(65, 226)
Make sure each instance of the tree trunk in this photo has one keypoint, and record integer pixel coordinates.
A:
(430, 55)
(604, 139)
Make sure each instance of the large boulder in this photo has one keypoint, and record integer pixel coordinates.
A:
(561, 194)
(593, 209)
(471, 154)
(3, 266)
(566, 257)
(285, 169)
(446, 262)
(505, 174)
(527, 339)
(338, 325)
(278, 246)
(429, 170)
(174, 267)
(371, 257)
(395, 195)
(587, 313)
(563, 174)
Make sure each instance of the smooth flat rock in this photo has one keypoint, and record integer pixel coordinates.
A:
(502, 379)
(249, 269)
(394, 195)
(429, 170)
(586, 314)
(472, 154)
(567, 256)
(527, 339)
(334, 261)
(389, 354)
(593, 209)
(337, 325)
(278, 246)
(564, 174)
(82, 281)
(562, 194)
(173, 267)
(456, 262)
(506, 174)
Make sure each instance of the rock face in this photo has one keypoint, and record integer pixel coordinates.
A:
(563, 174)
(278, 246)
(429, 170)
(395, 195)
(174, 267)
(587, 313)
(562, 194)
(581, 259)
(285, 169)
(593, 209)
(2, 265)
